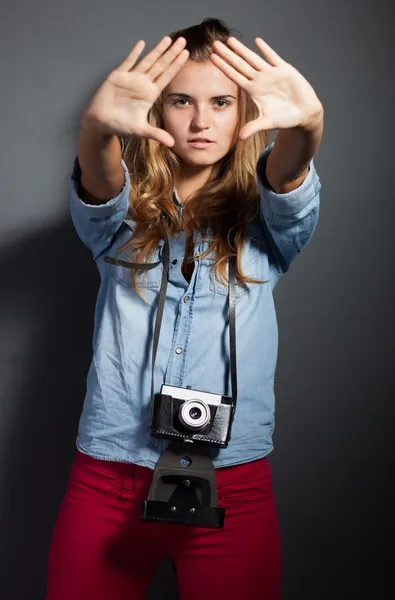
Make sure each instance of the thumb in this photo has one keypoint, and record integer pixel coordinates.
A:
(254, 126)
(160, 135)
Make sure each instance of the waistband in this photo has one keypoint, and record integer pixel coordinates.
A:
(129, 471)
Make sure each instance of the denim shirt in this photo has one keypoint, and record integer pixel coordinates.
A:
(193, 348)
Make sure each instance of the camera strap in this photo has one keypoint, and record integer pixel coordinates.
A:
(161, 305)
(232, 318)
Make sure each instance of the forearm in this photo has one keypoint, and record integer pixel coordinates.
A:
(99, 155)
(287, 164)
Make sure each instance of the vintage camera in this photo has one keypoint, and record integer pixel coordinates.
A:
(185, 414)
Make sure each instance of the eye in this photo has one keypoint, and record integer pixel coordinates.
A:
(224, 102)
(180, 100)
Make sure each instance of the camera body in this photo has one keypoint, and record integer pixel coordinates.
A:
(184, 414)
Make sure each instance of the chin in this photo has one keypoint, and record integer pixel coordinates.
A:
(199, 163)
(200, 158)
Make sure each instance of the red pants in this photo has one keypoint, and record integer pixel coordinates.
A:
(101, 549)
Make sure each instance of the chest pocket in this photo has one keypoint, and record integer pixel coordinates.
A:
(250, 267)
(146, 279)
(150, 278)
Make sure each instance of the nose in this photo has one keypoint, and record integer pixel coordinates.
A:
(200, 119)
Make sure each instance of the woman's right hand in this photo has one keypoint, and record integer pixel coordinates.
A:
(120, 105)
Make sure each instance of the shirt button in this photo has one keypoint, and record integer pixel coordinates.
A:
(186, 299)
(174, 261)
(178, 350)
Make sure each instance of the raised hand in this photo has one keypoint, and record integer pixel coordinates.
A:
(120, 105)
(283, 96)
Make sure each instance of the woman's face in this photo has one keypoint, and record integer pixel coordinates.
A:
(201, 102)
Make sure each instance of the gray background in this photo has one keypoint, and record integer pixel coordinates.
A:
(333, 460)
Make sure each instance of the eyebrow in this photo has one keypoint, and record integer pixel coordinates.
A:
(213, 98)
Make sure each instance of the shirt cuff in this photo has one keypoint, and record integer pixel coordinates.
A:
(98, 211)
(290, 202)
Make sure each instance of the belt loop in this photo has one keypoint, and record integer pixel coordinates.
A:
(133, 473)
(127, 478)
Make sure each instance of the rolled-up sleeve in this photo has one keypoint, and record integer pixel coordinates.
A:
(289, 219)
(96, 225)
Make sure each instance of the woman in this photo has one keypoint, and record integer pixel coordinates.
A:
(195, 168)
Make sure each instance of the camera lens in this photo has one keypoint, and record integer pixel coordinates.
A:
(194, 414)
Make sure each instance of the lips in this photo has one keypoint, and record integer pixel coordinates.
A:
(201, 140)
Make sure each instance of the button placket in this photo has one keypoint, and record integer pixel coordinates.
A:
(180, 340)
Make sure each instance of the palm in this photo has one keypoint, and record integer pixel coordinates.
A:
(132, 96)
(122, 102)
(278, 101)
(283, 96)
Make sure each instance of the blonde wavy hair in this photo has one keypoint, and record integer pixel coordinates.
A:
(223, 206)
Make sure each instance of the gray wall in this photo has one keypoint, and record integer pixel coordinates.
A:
(333, 456)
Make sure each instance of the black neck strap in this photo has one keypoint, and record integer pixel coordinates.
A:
(161, 305)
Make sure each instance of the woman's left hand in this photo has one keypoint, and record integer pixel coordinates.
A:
(283, 96)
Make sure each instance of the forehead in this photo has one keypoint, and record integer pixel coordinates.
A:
(201, 79)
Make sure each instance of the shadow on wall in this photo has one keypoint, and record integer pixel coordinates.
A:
(49, 285)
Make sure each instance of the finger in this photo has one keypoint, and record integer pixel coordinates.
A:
(153, 55)
(164, 61)
(130, 60)
(167, 75)
(254, 126)
(236, 60)
(271, 56)
(229, 71)
(150, 59)
(159, 135)
(251, 57)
